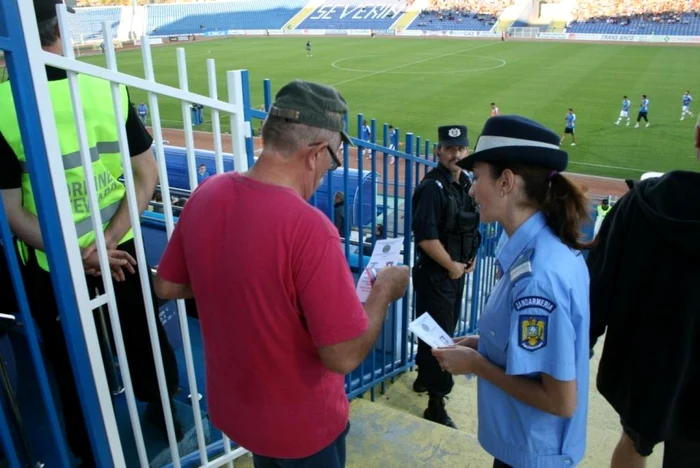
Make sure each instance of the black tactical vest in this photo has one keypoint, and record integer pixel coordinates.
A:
(460, 234)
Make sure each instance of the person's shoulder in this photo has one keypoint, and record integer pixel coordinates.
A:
(554, 262)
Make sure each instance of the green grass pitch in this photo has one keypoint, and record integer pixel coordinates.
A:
(419, 84)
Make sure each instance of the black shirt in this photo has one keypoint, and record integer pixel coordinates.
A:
(136, 134)
(429, 204)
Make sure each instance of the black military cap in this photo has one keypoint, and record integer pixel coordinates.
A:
(46, 9)
(453, 135)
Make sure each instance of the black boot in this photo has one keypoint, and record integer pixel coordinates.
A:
(154, 414)
(419, 385)
(436, 412)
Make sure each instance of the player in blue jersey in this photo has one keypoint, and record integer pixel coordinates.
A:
(625, 112)
(643, 111)
(687, 99)
(570, 127)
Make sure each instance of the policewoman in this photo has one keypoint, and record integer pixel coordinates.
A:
(531, 357)
(445, 226)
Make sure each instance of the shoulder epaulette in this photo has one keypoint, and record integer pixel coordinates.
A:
(522, 267)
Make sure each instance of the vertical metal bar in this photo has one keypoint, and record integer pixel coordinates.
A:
(157, 135)
(358, 200)
(360, 220)
(187, 119)
(234, 82)
(385, 180)
(428, 157)
(215, 118)
(396, 185)
(267, 91)
(346, 208)
(249, 143)
(373, 226)
(227, 450)
(144, 271)
(27, 75)
(408, 189)
(373, 178)
(418, 163)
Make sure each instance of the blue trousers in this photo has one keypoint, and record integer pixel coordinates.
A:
(332, 456)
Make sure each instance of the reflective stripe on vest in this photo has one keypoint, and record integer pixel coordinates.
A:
(102, 138)
(73, 160)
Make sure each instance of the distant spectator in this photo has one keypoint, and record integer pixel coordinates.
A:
(202, 173)
(601, 211)
(339, 212)
(366, 135)
(143, 111)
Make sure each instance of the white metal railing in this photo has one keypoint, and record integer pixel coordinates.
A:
(239, 131)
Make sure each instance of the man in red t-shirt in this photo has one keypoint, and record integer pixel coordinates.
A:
(280, 317)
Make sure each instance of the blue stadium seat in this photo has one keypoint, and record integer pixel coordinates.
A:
(175, 19)
(86, 23)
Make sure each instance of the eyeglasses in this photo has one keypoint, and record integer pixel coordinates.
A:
(336, 161)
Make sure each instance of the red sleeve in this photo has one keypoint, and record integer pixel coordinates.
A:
(697, 136)
(326, 289)
(173, 267)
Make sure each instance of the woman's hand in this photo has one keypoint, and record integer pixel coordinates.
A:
(458, 360)
(471, 341)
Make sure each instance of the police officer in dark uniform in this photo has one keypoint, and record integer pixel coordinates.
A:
(446, 230)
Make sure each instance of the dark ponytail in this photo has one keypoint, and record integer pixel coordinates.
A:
(563, 203)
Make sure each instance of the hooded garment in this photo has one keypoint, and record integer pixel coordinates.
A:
(645, 289)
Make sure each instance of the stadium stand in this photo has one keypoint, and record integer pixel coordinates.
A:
(174, 19)
(464, 15)
(658, 17)
(86, 24)
(355, 14)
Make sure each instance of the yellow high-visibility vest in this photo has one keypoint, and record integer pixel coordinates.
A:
(103, 140)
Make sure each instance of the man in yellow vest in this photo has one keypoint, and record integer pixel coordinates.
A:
(17, 195)
(601, 211)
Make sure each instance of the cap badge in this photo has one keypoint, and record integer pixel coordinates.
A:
(454, 132)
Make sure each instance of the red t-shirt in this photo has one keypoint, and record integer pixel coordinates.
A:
(272, 285)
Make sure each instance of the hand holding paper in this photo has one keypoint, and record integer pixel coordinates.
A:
(386, 253)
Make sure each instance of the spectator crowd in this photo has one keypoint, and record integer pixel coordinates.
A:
(623, 11)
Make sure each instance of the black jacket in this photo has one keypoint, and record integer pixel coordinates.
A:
(645, 289)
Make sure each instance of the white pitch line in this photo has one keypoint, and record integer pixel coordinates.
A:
(413, 63)
(610, 167)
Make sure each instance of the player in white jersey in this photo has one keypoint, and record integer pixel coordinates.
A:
(687, 100)
(625, 112)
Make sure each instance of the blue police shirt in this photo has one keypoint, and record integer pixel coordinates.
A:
(536, 321)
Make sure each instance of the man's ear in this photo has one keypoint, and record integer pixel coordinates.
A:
(311, 155)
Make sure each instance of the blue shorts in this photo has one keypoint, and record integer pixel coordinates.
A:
(332, 456)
